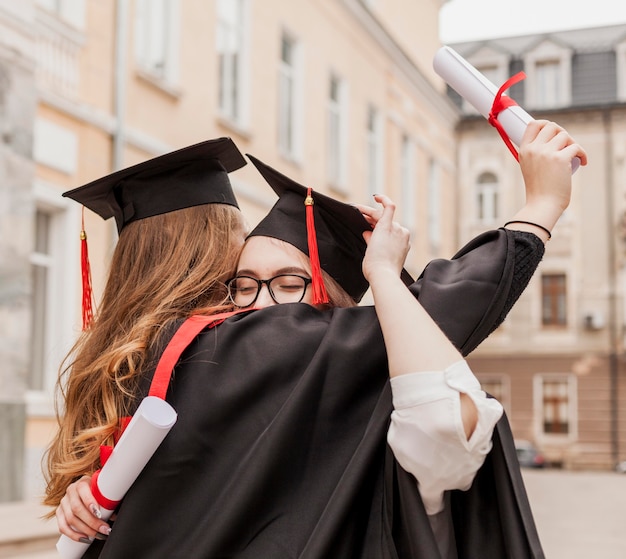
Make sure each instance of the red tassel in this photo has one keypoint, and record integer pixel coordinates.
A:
(87, 302)
(317, 281)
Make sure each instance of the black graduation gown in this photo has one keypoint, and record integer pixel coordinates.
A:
(280, 448)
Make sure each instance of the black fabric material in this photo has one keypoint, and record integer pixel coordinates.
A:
(187, 177)
(339, 229)
(280, 446)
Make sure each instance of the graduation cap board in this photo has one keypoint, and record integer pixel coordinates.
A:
(191, 176)
(330, 232)
(187, 177)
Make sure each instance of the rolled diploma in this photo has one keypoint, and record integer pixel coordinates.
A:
(479, 92)
(150, 424)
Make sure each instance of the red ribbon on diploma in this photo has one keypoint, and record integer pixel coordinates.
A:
(500, 104)
(98, 496)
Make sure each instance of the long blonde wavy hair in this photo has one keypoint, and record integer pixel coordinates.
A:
(164, 268)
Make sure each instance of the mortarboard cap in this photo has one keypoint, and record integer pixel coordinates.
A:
(338, 229)
(187, 177)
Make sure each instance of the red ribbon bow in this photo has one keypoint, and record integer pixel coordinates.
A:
(501, 103)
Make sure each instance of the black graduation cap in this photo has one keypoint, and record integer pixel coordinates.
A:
(190, 176)
(316, 223)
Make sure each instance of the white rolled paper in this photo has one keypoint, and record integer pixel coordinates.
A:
(150, 424)
(479, 92)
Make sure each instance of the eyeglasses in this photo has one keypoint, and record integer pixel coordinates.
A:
(284, 288)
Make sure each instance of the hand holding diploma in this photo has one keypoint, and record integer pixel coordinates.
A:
(149, 426)
(548, 155)
(477, 90)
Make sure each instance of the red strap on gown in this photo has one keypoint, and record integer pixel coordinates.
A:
(185, 334)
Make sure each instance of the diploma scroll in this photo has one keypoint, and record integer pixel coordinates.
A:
(150, 424)
(477, 90)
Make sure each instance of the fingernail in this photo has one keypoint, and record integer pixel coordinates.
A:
(84, 540)
(100, 537)
(96, 511)
(105, 529)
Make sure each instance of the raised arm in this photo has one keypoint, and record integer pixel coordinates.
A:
(545, 155)
(413, 339)
(442, 422)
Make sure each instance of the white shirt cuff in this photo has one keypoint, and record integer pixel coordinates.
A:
(427, 434)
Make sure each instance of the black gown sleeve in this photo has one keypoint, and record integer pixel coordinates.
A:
(471, 294)
(529, 251)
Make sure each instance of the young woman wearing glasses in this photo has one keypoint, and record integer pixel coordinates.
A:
(280, 448)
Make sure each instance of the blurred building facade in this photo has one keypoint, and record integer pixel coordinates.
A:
(558, 361)
(337, 94)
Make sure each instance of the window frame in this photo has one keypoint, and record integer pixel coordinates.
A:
(539, 382)
(548, 52)
(61, 304)
(233, 108)
(289, 114)
(72, 12)
(504, 381)
(493, 201)
(337, 141)
(408, 181)
(374, 151)
(554, 325)
(167, 74)
(434, 205)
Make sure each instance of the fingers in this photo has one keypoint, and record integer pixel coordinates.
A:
(387, 224)
(389, 209)
(555, 137)
(78, 514)
(371, 215)
(532, 129)
(577, 151)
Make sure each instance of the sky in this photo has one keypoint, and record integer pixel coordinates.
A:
(469, 20)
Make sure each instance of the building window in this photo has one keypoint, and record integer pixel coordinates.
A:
(493, 387)
(487, 198)
(156, 33)
(548, 67)
(55, 285)
(553, 300)
(337, 115)
(498, 387)
(288, 97)
(434, 206)
(374, 152)
(70, 11)
(548, 84)
(230, 50)
(42, 268)
(408, 182)
(555, 406)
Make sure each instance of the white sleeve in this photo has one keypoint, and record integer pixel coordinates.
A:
(427, 434)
